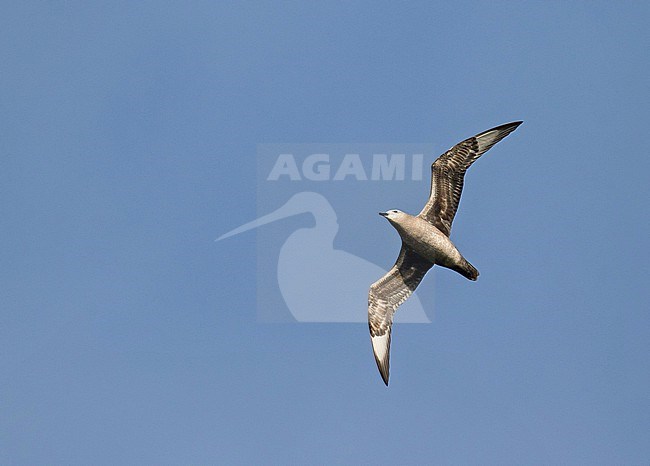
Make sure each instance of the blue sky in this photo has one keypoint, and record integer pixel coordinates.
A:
(129, 133)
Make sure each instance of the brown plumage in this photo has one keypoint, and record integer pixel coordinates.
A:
(425, 239)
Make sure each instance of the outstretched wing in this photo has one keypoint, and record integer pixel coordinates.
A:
(448, 173)
(385, 296)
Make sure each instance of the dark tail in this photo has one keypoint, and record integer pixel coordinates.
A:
(467, 270)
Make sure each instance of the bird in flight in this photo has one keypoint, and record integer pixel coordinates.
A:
(425, 239)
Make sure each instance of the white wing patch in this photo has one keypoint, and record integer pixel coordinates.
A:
(380, 347)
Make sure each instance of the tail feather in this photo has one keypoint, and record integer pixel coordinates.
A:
(467, 270)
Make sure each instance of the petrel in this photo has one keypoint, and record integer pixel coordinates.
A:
(425, 239)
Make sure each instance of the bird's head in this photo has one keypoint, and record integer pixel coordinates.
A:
(394, 216)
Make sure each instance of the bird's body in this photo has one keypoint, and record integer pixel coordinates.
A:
(425, 239)
(430, 243)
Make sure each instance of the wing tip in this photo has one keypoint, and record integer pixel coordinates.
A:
(515, 124)
(506, 128)
(487, 139)
(384, 370)
(381, 350)
(512, 124)
(385, 378)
